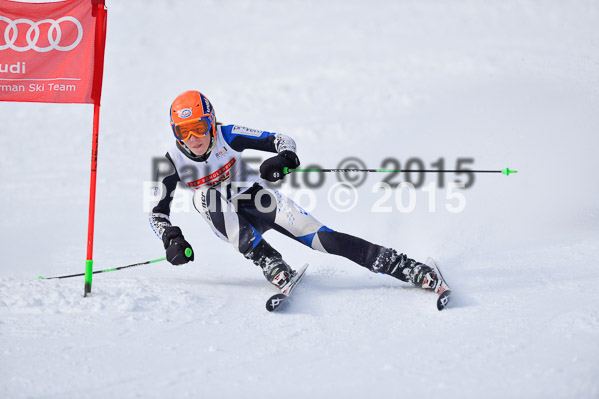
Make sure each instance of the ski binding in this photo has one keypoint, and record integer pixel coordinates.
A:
(442, 287)
(275, 301)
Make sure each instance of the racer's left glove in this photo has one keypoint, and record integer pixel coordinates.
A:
(272, 168)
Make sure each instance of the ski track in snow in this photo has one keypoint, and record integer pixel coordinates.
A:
(198, 334)
(512, 83)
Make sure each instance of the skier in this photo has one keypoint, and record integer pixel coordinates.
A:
(239, 206)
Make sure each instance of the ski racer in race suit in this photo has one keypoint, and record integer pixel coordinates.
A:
(240, 207)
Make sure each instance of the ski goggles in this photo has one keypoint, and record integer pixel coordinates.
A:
(198, 127)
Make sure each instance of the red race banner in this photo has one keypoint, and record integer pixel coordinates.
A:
(52, 52)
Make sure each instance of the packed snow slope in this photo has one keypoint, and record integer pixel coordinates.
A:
(507, 84)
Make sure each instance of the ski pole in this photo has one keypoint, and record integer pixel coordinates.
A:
(505, 171)
(187, 253)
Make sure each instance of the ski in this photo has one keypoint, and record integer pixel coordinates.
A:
(442, 287)
(275, 301)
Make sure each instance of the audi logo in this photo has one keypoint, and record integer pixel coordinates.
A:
(33, 34)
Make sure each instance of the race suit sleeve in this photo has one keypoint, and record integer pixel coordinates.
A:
(242, 138)
(160, 214)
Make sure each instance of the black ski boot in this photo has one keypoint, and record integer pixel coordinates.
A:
(406, 269)
(273, 266)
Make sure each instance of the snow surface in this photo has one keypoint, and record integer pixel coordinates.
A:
(512, 83)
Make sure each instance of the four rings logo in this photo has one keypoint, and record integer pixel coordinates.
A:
(32, 35)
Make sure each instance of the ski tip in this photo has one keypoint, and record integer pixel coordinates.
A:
(275, 302)
(443, 300)
(40, 277)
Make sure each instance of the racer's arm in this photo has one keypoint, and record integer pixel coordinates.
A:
(242, 138)
(160, 214)
(178, 251)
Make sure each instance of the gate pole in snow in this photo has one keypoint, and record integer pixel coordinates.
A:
(99, 45)
(89, 263)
